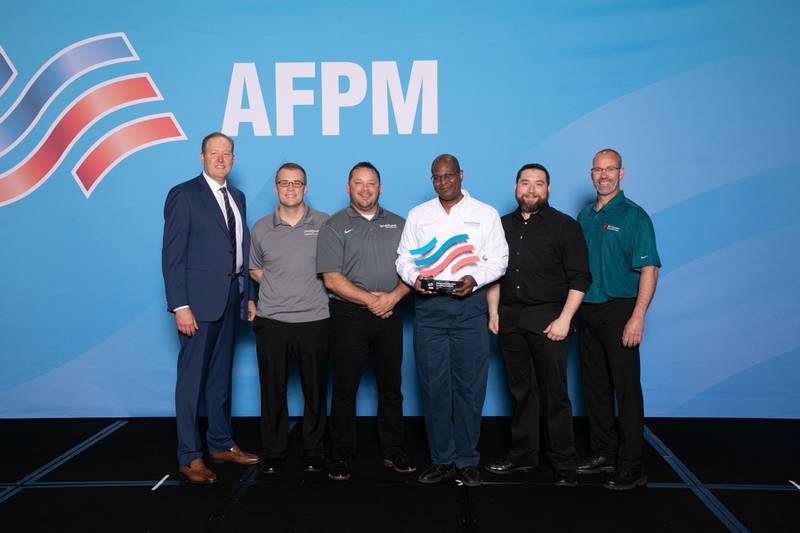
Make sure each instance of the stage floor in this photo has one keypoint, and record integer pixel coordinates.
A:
(97, 475)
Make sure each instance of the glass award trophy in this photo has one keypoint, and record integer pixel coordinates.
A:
(452, 255)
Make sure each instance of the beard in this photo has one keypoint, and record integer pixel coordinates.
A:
(531, 205)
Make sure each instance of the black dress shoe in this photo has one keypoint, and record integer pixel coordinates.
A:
(509, 467)
(470, 476)
(271, 466)
(626, 479)
(596, 464)
(399, 462)
(436, 473)
(566, 478)
(339, 469)
(312, 463)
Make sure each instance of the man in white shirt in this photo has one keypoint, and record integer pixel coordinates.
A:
(452, 238)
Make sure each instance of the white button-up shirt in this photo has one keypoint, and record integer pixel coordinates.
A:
(482, 255)
(215, 188)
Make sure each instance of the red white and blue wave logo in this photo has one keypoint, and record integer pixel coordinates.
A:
(451, 247)
(78, 116)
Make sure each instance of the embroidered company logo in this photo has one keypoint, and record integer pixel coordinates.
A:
(46, 84)
(454, 252)
(609, 227)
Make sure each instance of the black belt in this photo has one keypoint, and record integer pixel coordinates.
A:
(349, 304)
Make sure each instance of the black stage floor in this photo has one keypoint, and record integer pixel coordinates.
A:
(98, 475)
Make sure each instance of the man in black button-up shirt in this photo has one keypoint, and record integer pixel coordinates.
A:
(531, 310)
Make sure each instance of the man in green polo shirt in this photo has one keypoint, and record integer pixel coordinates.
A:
(624, 264)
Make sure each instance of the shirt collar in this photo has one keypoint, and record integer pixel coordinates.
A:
(543, 212)
(213, 184)
(457, 206)
(278, 221)
(352, 213)
(618, 198)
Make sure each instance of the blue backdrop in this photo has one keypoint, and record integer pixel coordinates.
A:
(102, 110)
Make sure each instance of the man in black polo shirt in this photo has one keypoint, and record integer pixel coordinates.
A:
(532, 309)
(356, 251)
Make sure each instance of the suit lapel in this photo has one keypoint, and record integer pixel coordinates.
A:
(210, 202)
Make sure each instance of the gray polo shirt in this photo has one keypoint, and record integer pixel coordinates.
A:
(291, 290)
(362, 250)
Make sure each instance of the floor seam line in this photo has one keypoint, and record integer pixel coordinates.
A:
(698, 488)
(61, 459)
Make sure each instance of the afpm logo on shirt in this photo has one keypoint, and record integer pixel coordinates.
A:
(454, 252)
(609, 227)
(388, 226)
(55, 75)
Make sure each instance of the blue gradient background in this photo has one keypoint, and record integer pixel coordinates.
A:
(701, 98)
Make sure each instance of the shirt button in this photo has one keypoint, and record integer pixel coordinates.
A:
(518, 286)
(517, 253)
(520, 236)
(516, 270)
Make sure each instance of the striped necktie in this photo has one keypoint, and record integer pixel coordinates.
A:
(231, 223)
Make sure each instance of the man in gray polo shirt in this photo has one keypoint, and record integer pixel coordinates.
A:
(291, 319)
(356, 251)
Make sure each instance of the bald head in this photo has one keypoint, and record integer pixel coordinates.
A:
(609, 151)
(447, 159)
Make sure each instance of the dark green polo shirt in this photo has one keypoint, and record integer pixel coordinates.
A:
(621, 241)
(362, 250)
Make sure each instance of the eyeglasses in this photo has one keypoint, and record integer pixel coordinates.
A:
(450, 176)
(285, 184)
(597, 171)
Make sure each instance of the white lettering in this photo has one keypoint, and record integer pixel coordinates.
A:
(423, 79)
(421, 93)
(244, 79)
(286, 97)
(332, 99)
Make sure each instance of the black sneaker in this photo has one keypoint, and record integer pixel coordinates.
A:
(436, 473)
(271, 466)
(510, 467)
(470, 476)
(312, 463)
(399, 463)
(596, 464)
(566, 478)
(626, 479)
(339, 469)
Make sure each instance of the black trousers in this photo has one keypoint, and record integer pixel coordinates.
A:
(276, 343)
(355, 333)
(536, 370)
(609, 369)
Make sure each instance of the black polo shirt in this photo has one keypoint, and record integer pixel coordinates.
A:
(547, 256)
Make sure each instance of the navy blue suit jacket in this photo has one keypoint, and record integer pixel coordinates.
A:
(197, 254)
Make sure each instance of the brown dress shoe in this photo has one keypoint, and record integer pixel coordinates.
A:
(234, 455)
(198, 472)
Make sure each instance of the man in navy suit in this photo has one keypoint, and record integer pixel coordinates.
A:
(205, 242)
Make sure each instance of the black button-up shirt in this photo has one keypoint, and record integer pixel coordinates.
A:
(547, 256)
